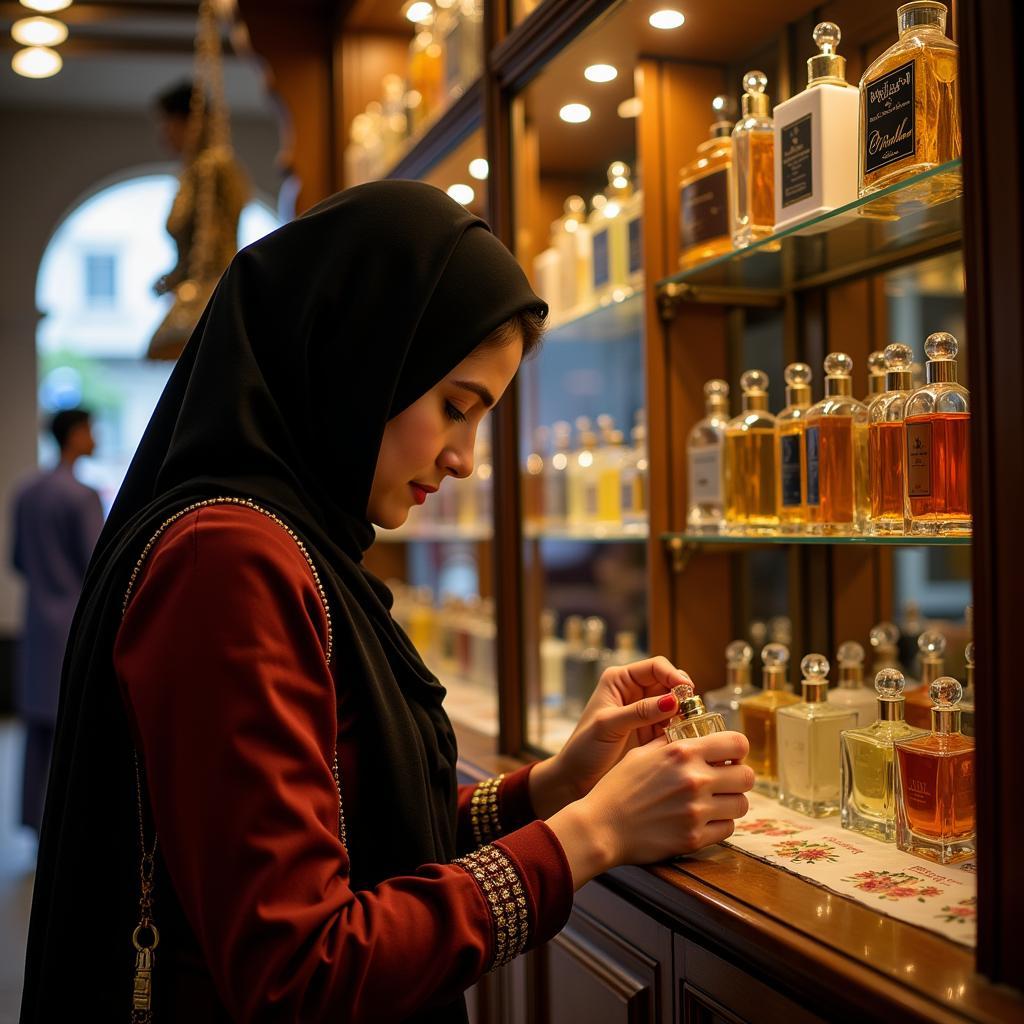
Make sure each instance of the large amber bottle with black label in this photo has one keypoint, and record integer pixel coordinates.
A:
(704, 196)
(910, 107)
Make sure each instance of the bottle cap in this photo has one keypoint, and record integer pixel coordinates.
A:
(574, 629)
(738, 656)
(946, 694)
(827, 65)
(775, 659)
(620, 180)
(690, 705)
(876, 373)
(898, 360)
(798, 384)
(889, 685)
(921, 14)
(755, 100)
(754, 384)
(941, 349)
(838, 374)
(593, 631)
(716, 395)
(851, 663)
(815, 683)
(885, 636)
(931, 643)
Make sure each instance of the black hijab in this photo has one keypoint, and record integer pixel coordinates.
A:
(316, 336)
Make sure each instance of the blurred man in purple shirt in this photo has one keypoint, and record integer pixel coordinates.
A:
(57, 520)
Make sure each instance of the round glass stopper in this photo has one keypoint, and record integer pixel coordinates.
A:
(826, 36)
(715, 388)
(969, 654)
(838, 364)
(898, 356)
(797, 374)
(931, 643)
(945, 692)
(775, 654)
(889, 683)
(877, 364)
(815, 667)
(941, 345)
(755, 82)
(850, 653)
(754, 381)
(739, 652)
(684, 691)
(885, 634)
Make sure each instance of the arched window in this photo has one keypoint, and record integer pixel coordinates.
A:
(95, 293)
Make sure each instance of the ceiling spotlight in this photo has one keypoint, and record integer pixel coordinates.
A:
(575, 113)
(631, 107)
(461, 194)
(46, 6)
(601, 73)
(479, 169)
(666, 19)
(419, 11)
(39, 32)
(37, 62)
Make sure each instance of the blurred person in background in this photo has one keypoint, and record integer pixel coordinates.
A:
(57, 520)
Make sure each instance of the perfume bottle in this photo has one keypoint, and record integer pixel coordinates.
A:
(556, 476)
(885, 642)
(851, 693)
(750, 462)
(877, 369)
(752, 202)
(758, 717)
(935, 802)
(610, 233)
(552, 663)
(938, 421)
(693, 719)
(886, 445)
(967, 703)
(582, 667)
(910, 108)
(627, 255)
(582, 501)
(808, 737)
(609, 461)
(835, 435)
(634, 476)
(426, 74)
(792, 488)
(815, 139)
(625, 652)
(572, 629)
(571, 239)
(726, 699)
(704, 448)
(932, 645)
(547, 278)
(868, 803)
(533, 478)
(704, 189)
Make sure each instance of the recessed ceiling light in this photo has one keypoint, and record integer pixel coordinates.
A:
(419, 11)
(601, 73)
(631, 107)
(666, 19)
(461, 194)
(37, 62)
(575, 113)
(479, 169)
(39, 32)
(46, 6)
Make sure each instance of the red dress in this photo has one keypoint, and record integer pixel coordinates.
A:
(222, 666)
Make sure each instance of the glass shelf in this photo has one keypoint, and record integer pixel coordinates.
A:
(724, 540)
(438, 532)
(886, 227)
(613, 532)
(622, 317)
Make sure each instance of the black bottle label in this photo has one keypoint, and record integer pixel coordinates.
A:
(889, 118)
(789, 460)
(813, 496)
(797, 162)
(704, 209)
(602, 266)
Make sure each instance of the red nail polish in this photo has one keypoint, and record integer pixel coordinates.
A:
(668, 703)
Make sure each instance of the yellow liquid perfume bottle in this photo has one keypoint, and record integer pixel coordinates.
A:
(808, 736)
(967, 704)
(758, 717)
(886, 445)
(750, 462)
(938, 420)
(835, 437)
(571, 239)
(581, 463)
(851, 693)
(792, 489)
(609, 463)
(704, 190)
(885, 642)
(628, 252)
(752, 206)
(705, 446)
(910, 108)
(634, 476)
(693, 720)
(935, 800)
(868, 803)
(726, 699)
(932, 645)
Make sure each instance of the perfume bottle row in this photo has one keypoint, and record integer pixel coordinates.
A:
(897, 465)
(594, 479)
(445, 56)
(594, 257)
(828, 145)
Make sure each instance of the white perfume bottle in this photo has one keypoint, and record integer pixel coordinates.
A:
(816, 141)
(851, 693)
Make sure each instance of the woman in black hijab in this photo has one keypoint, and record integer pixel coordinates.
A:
(251, 757)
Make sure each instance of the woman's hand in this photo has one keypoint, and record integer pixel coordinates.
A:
(628, 709)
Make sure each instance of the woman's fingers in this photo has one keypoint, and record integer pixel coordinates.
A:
(736, 778)
(654, 673)
(721, 746)
(717, 831)
(729, 805)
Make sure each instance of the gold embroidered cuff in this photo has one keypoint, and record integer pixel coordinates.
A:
(503, 890)
(483, 811)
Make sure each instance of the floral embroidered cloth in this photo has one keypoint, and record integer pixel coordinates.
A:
(939, 897)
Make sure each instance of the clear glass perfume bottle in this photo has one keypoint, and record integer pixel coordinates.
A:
(910, 107)
(611, 457)
(808, 737)
(624, 653)
(634, 476)
(581, 464)
(758, 717)
(752, 206)
(552, 662)
(967, 703)
(932, 645)
(627, 257)
(704, 452)
(792, 466)
(582, 667)
(693, 719)
(533, 478)
(750, 462)
(726, 699)
(835, 437)
(938, 421)
(935, 799)
(877, 369)
(885, 642)
(851, 693)
(886, 445)
(704, 189)
(556, 476)
(868, 803)
(571, 239)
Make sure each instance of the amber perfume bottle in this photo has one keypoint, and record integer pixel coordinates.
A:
(792, 487)
(808, 737)
(938, 420)
(877, 369)
(835, 438)
(932, 645)
(910, 107)
(533, 478)
(704, 453)
(935, 800)
(752, 205)
(750, 462)
(693, 720)
(704, 190)
(868, 803)
(758, 716)
(726, 699)
(886, 445)
(851, 693)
